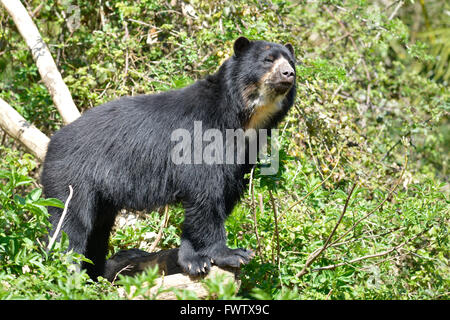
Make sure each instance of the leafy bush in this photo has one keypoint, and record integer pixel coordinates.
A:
(27, 270)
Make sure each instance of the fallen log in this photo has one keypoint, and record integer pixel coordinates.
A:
(134, 261)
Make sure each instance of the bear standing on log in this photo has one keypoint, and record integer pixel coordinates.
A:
(120, 155)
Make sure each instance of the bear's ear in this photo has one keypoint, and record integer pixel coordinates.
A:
(240, 45)
(290, 48)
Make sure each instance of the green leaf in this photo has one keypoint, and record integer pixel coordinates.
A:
(19, 199)
(5, 174)
(52, 202)
(35, 194)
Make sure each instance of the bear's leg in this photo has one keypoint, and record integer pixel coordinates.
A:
(73, 226)
(87, 224)
(78, 222)
(204, 239)
(97, 243)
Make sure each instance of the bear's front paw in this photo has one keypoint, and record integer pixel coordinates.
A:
(193, 263)
(232, 257)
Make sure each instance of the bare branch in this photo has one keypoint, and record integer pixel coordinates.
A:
(17, 127)
(275, 214)
(253, 207)
(370, 256)
(317, 186)
(394, 13)
(44, 61)
(351, 40)
(126, 268)
(378, 206)
(161, 228)
(60, 222)
(313, 256)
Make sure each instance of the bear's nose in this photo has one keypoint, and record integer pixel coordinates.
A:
(287, 73)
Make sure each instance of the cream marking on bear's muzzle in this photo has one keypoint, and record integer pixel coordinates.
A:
(266, 103)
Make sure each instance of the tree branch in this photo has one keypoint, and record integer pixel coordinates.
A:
(351, 40)
(275, 214)
(313, 256)
(17, 127)
(253, 207)
(318, 185)
(370, 256)
(44, 61)
(161, 228)
(60, 222)
(378, 206)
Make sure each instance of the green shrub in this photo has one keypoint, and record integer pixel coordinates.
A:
(27, 270)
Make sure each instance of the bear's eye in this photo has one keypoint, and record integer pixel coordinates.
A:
(269, 59)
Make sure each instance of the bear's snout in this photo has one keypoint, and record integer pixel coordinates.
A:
(287, 72)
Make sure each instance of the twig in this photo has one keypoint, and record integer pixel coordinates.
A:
(368, 95)
(313, 256)
(58, 227)
(261, 203)
(250, 184)
(351, 40)
(394, 13)
(400, 140)
(335, 93)
(253, 206)
(397, 143)
(316, 162)
(380, 254)
(342, 215)
(102, 15)
(161, 228)
(140, 22)
(4, 138)
(317, 186)
(127, 267)
(378, 206)
(275, 214)
(337, 40)
(37, 10)
(336, 244)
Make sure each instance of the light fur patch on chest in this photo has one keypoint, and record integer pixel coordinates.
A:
(262, 114)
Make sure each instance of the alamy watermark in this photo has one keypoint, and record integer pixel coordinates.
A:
(234, 146)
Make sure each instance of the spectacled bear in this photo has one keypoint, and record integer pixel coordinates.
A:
(118, 155)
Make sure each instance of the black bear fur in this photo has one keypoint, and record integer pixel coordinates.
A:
(117, 156)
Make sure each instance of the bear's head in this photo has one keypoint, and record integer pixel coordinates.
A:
(265, 72)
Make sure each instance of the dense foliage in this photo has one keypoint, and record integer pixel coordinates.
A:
(364, 153)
